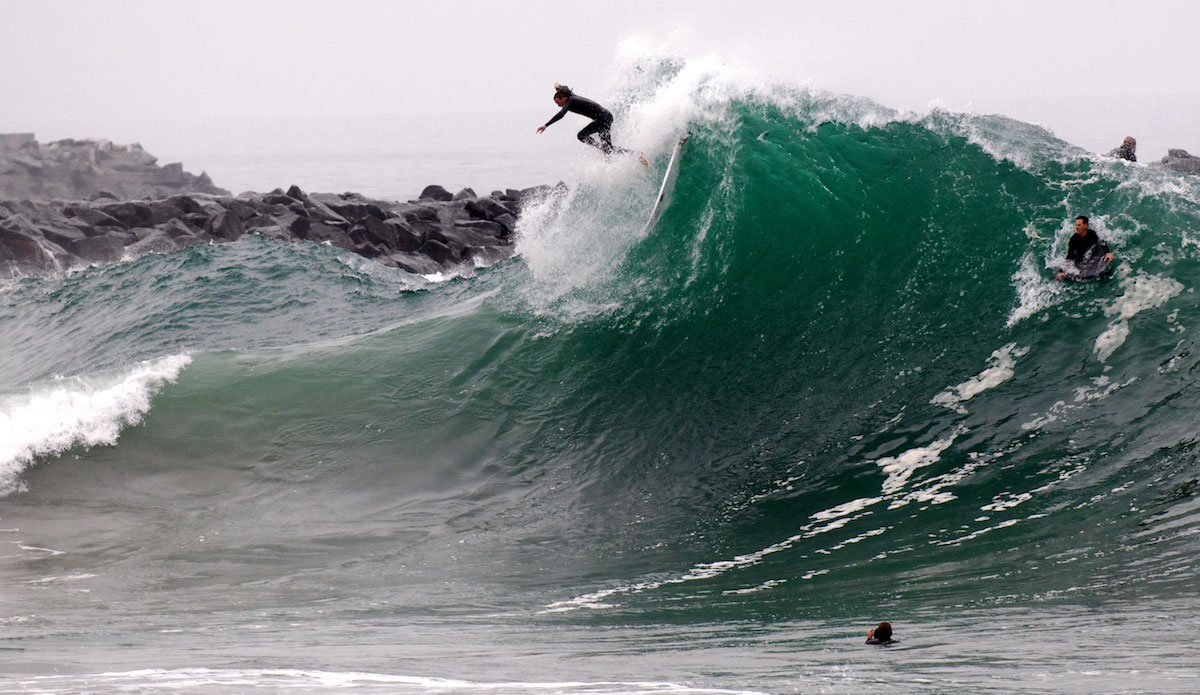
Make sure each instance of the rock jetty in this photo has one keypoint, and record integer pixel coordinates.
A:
(89, 169)
(436, 232)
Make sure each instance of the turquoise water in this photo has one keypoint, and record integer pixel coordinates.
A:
(835, 384)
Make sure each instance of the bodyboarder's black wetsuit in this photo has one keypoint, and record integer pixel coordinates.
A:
(1080, 247)
(600, 127)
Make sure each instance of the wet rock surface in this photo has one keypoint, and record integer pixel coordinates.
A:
(427, 235)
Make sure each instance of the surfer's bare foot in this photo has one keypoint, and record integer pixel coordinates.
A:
(642, 159)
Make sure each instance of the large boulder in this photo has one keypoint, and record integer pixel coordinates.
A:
(156, 242)
(21, 249)
(130, 214)
(226, 225)
(1181, 161)
(93, 216)
(436, 193)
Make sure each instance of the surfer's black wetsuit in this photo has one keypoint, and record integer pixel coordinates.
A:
(1125, 152)
(1080, 247)
(600, 127)
(884, 642)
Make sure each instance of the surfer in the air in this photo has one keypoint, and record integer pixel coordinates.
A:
(1084, 244)
(598, 133)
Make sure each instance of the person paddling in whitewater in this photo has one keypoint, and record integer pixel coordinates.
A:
(1084, 243)
(598, 133)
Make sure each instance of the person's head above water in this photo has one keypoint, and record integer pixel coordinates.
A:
(1130, 142)
(1081, 225)
(561, 93)
(883, 632)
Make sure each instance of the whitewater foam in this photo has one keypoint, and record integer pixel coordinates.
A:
(85, 411)
(901, 467)
(305, 680)
(1142, 292)
(1001, 367)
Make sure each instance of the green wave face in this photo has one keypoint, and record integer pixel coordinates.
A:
(839, 372)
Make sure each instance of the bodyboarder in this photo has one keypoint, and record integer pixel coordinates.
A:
(598, 133)
(1084, 244)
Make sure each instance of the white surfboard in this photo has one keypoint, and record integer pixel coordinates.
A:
(668, 184)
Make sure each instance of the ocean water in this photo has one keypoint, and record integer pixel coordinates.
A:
(835, 384)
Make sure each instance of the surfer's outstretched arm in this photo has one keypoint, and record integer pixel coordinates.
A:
(562, 112)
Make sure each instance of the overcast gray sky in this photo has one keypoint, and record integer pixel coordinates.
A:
(143, 60)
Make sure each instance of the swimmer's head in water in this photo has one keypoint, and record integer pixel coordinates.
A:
(883, 633)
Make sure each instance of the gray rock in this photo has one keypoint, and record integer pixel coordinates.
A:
(177, 229)
(322, 233)
(436, 193)
(421, 212)
(320, 211)
(129, 214)
(226, 226)
(508, 223)
(62, 235)
(1181, 161)
(477, 232)
(35, 166)
(171, 175)
(439, 251)
(17, 141)
(356, 210)
(92, 216)
(408, 239)
(157, 242)
(21, 251)
(487, 209)
(98, 249)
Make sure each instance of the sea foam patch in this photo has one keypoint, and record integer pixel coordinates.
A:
(1142, 291)
(901, 467)
(54, 416)
(1001, 367)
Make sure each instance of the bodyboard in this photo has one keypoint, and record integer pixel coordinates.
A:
(1091, 268)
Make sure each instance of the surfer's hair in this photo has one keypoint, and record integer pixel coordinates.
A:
(563, 91)
(1082, 217)
(884, 631)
